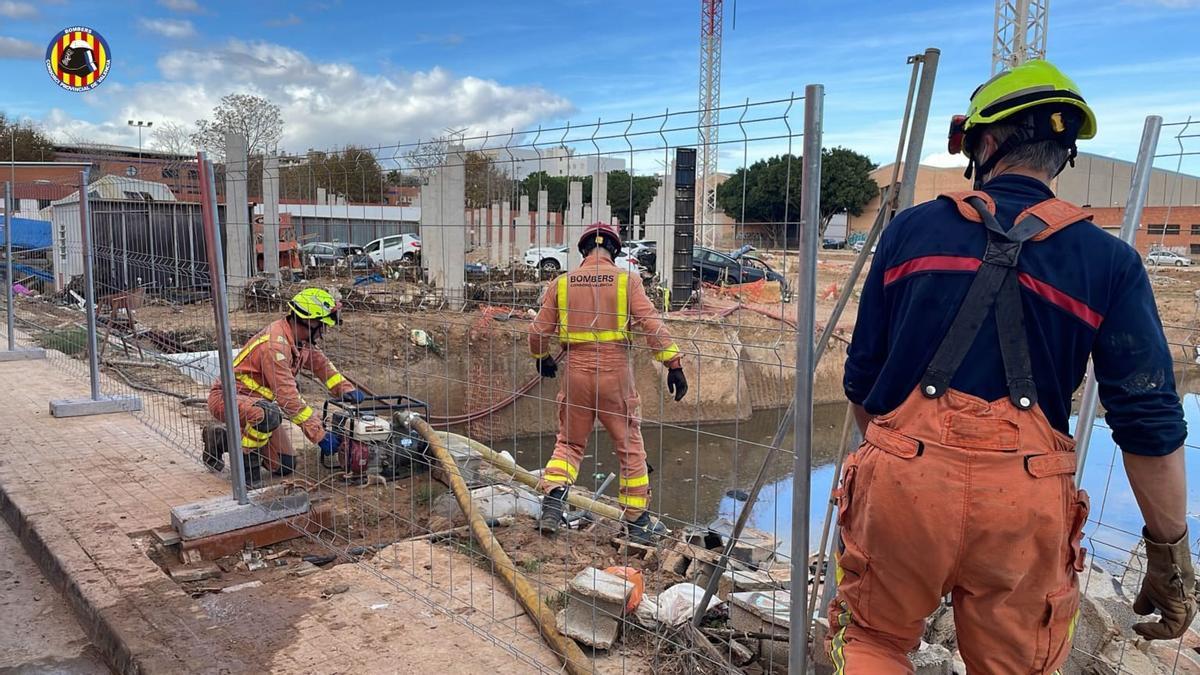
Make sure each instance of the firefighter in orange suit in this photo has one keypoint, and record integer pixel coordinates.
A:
(265, 370)
(594, 312)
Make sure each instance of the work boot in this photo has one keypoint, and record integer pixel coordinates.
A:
(553, 505)
(643, 531)
(330, 461)
(214, 441)
(251, 462)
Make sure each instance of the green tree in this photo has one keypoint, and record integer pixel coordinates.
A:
(620, 187)
(846, 183)
(769, 190)
(352, 173)
(21, 141)
(485, 182)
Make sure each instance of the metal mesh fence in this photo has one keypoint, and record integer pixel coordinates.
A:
(439, 324)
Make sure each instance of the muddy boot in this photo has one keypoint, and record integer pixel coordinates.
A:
(214, 440)
(553, 505)
(644, 532)
(251, 462)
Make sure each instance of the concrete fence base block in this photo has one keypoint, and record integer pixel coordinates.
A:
(23, 355)
(105, 405)
(224, 514)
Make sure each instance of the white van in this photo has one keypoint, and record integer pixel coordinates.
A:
(397, 247)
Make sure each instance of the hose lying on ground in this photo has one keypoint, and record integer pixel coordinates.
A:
(566, 648)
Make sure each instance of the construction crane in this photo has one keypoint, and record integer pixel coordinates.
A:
(1020, 32)
(711, 19)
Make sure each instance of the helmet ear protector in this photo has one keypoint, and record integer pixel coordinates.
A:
(958, 134)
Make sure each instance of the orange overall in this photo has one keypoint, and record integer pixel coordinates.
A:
(952, 494)
(266, 369)
(595, 311)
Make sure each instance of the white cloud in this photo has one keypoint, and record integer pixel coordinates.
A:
(180, 5)
(12, 48)
(324, 104)
(945, 159)
(17, 10)
(170, 28)
(289, 20)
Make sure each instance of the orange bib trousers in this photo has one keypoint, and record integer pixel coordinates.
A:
(955, 495)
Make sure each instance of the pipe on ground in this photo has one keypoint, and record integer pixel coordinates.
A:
(566, 648)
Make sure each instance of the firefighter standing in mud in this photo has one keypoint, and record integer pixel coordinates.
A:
(265, 370)
(595, 311)
(976, 323)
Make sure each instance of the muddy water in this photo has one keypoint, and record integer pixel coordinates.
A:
(697, 471)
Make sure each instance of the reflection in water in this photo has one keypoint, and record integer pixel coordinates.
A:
(696, 467)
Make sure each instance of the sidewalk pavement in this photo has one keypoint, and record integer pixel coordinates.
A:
(76, 490)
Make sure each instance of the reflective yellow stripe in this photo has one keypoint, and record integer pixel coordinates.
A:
(623, 303)
(251, 443)
(1071, 628)
(838, 572)
(667, 354)
(251, 384)
(633, 501)
(556, 478)
(249, 348)
(334, 381)
(563, 465)
(302, 416)
(568, 336)
(562, 307)
(256, 434)
(540, 356)
(636, 481)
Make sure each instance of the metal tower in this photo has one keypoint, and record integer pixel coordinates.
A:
(1020, 32)
(711, 18)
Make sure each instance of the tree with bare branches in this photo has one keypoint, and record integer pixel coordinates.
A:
(256, 118)
(174, 138)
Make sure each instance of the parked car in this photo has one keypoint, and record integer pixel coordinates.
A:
(553, 259)
(1168, 258)
(335, 254)
(397, 247)
(858, 246)
(736, 267)
(833, 244)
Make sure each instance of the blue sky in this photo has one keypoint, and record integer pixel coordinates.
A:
(383, 73)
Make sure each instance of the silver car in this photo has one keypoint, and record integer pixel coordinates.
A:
(1168, 258)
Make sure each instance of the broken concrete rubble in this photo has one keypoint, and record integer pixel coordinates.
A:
(931, 660)
(595, 603)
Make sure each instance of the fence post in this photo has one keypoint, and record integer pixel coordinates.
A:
(98, 404)
(10, 309)
(1134, 203)
(806, 295)
(216, 276)
(912, 158)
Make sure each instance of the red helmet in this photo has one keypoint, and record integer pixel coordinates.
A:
(596, 234)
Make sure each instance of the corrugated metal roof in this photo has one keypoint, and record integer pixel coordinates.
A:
(123, 188)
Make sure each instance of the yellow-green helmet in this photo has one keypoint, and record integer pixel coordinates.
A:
(313, 304)
(1030, 84)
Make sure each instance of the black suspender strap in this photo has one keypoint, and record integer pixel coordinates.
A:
(995, 284)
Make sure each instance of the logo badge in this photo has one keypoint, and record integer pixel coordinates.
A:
(78, 59)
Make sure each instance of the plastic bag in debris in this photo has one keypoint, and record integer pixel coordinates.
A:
(647, 611)
(679, 603)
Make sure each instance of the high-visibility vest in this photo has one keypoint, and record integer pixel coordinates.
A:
(621, 334)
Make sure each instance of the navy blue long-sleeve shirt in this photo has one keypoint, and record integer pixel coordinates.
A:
(1084, 292)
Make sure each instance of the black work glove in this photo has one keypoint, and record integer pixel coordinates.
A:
(1169, 586)
(676, 383)
(547, 366)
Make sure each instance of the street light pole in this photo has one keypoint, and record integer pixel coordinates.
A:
(140, 125)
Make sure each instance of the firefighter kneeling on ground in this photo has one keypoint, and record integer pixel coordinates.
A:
(974, 329)
(595, 310)
(265, 370)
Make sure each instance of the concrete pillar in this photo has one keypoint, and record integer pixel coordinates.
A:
(239, 239)
(600, 208)
(524, 228)
(545, 231)
(443, 228)
(635, 229)
(270, 228)
(588, 216)
(574, 222)
(321, 195)
(494, 255)
(506, 234)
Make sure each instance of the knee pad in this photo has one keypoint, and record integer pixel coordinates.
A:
(287, 465)
(272, 416)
